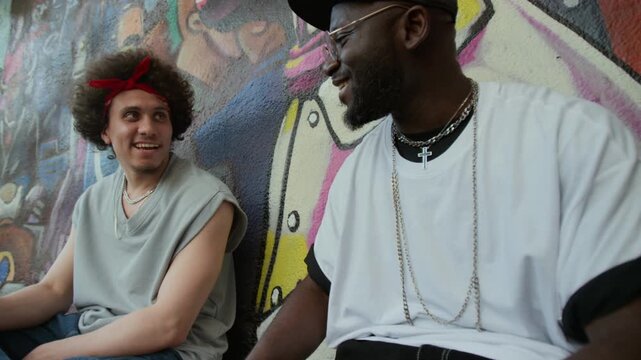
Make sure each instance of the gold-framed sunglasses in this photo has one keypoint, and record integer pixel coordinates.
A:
(330, 49)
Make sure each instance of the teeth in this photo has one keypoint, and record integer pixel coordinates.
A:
(146, 146)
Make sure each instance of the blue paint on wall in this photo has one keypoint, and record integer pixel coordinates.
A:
(4, 270)
(241, 137)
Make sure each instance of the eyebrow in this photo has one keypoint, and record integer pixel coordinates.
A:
(129, 108)
(138, 108)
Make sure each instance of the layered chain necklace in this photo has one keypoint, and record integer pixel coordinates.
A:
(447, 129)
(135, 201)
(128, 200)
(401, 238)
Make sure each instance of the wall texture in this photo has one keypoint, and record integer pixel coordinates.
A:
(269, 124)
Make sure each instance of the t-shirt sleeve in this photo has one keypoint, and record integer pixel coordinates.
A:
(331, 243)
(82, 206)
(239, 225)
(598, 262)
(602, 295)
(315, 273)
(75, 215)
(328, 239)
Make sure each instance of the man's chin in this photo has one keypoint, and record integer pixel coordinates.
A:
(149, 167)
(354, 120)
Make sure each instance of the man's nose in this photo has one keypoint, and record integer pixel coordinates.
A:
(330, 65)
(146, 125)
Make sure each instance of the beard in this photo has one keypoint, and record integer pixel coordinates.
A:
(378, 94)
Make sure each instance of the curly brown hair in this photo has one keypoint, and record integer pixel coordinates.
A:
(88, 103)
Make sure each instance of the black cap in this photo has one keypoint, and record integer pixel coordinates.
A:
(318, 12)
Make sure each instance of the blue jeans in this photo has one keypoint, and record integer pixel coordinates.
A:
(18, 343)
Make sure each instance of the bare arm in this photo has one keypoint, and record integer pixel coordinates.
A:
(614, 336)
(298, 328)
(166, 324)
(38, 303)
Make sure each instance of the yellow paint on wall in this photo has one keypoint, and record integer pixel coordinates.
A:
(468, 11)
(12, 265)
(292, 112)
(289, 267)
(269, 248)
(294, 62)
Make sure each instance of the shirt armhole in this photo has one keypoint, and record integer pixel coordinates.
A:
(600, 296)
(315, 272)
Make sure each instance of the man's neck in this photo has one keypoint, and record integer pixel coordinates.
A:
(140, 182)
(433, 105)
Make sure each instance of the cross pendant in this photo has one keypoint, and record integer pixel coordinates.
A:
(424, 154)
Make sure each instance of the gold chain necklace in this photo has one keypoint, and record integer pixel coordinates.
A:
(125, 195)
(135, 201)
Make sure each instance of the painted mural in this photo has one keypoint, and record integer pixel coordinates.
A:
(5, 25)
(269, 123)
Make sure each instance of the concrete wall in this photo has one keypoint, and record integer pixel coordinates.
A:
(268, 123)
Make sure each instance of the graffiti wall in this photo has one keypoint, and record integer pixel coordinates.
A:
(269, 124)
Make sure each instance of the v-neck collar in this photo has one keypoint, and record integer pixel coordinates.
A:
(129, 226)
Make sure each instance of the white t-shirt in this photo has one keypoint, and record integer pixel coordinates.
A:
(559, 183)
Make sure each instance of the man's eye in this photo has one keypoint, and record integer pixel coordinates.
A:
(342, 37)
(130, 116)
(161, 116)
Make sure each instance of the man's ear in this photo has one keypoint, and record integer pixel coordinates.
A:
(105, 137)
(415, 27)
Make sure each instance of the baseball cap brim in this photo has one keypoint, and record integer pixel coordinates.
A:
(315, 13)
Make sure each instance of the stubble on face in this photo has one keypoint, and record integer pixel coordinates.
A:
(376, 91)
(139, 131)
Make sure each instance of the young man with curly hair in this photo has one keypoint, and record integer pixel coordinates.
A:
(147, 264)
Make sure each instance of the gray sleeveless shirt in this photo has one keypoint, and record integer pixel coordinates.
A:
(120, 263)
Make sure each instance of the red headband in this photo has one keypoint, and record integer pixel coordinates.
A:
(118, 85)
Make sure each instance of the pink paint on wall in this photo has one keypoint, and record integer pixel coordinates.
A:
(469, 53)
(337, 158)
(591, 83)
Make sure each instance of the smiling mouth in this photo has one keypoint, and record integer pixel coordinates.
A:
(145, 146)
